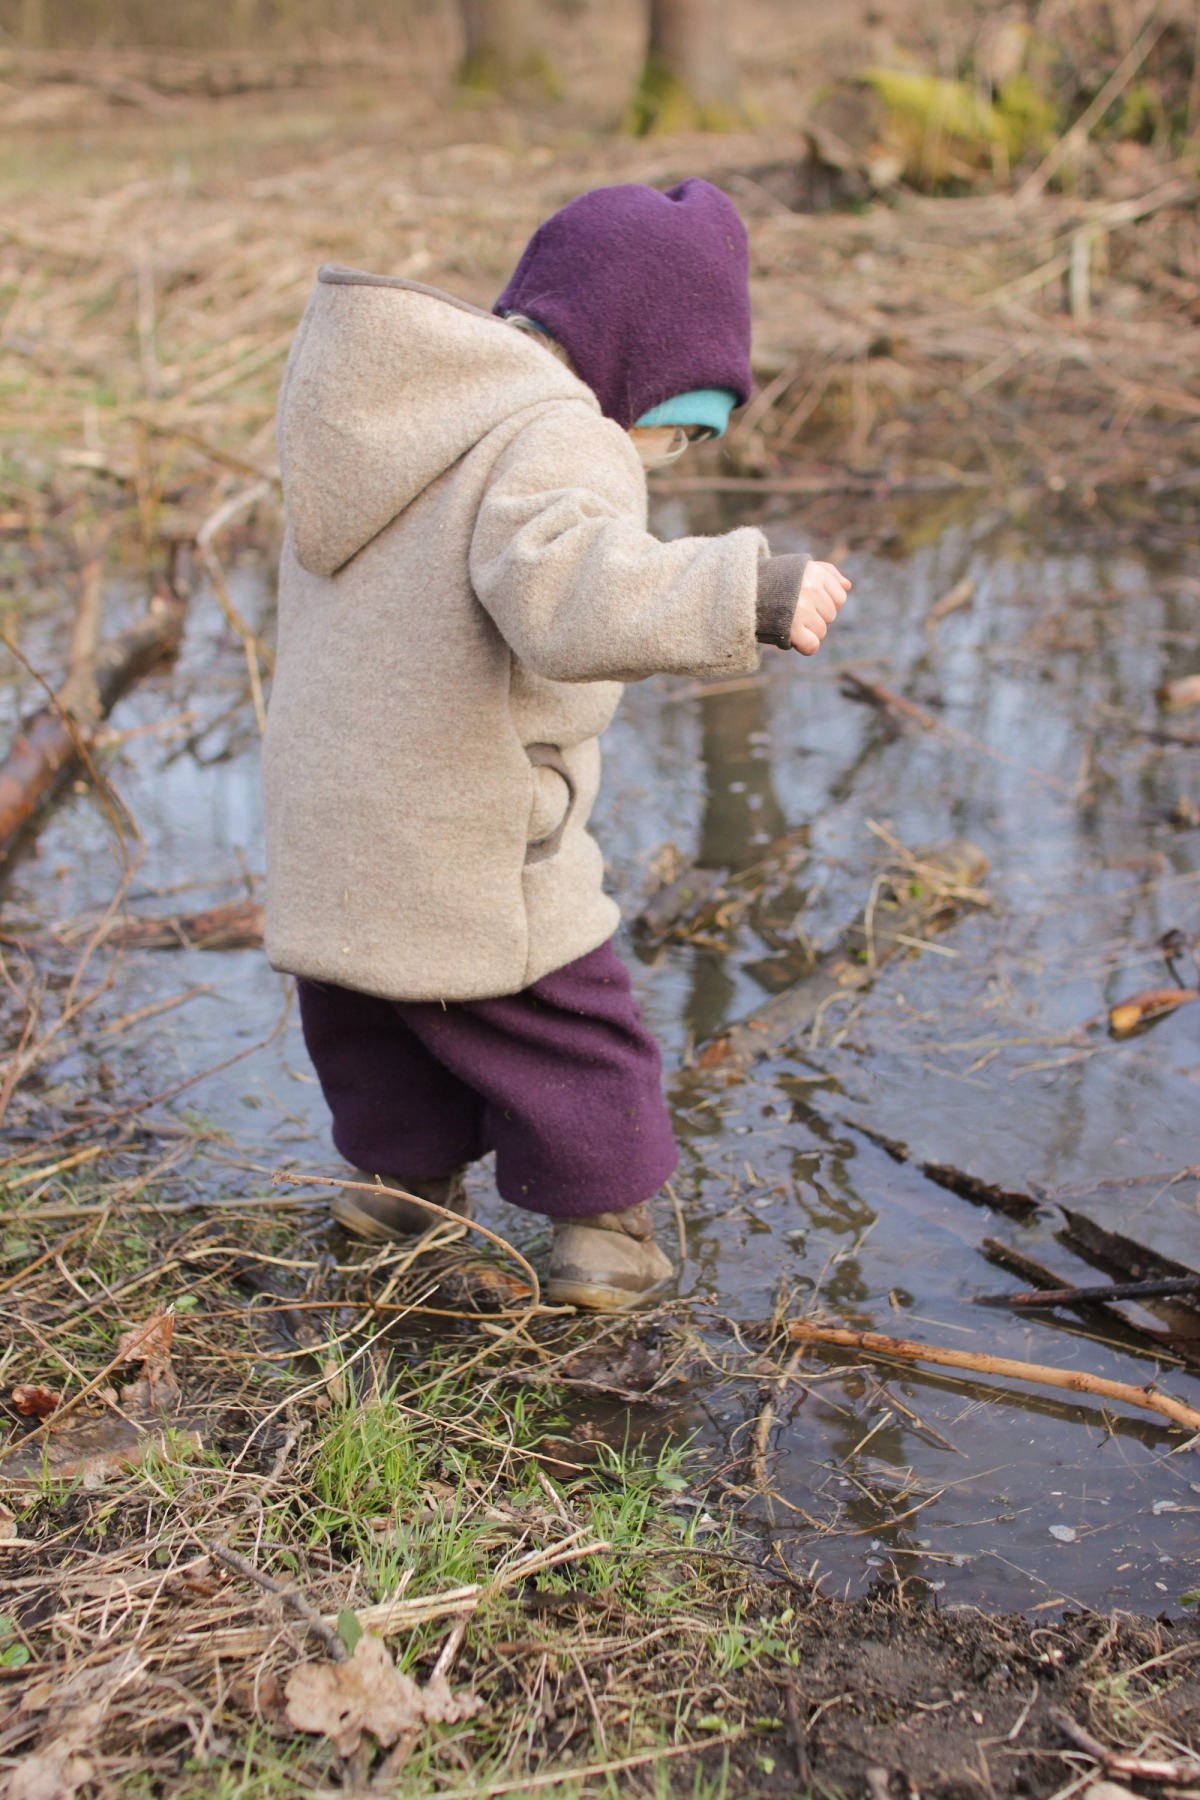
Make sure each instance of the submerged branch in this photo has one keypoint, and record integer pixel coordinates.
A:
(1075, 1381)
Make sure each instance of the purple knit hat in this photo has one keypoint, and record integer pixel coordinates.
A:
(647, 292)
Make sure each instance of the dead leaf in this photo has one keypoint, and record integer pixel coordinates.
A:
(676, 907)
(1144, 1009)
(478, 1284)
(156, 1389)
(55, 1773)
(1184, 692)
(368, 1693)
(34, 1401)
(195, 1577)
(150, 1339)
(61, 1764)
(260, 1697)
(8, 1526)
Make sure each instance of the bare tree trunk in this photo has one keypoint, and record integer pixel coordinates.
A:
(500, 49)
(689, 79)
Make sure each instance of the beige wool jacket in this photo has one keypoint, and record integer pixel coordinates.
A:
(466, 581)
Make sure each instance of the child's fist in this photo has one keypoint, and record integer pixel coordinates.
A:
(823, 591)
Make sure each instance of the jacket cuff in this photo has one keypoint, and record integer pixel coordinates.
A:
(778, 593)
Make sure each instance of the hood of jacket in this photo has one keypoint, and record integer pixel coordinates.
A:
(647, 292)
(388, 384)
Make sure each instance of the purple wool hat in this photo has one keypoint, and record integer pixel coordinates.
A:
(647, 292)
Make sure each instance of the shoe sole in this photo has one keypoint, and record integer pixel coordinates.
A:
(596, 1297)
(356, 1219)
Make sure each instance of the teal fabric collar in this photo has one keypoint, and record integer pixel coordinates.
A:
(701, 406)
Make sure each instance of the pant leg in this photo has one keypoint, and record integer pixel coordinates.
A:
(571, 1085)
(396, 1109)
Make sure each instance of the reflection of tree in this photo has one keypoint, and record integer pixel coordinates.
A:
(741, 812)
(741, 816)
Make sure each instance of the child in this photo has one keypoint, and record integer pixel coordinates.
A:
(466, 581)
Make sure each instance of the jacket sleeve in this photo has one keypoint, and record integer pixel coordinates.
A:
(579, 589)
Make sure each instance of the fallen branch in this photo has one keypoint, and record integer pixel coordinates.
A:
(887, 700)
(49, 743)
(1112, 1290)
(233, 925)
(1013, 1201)
(1113, 1762)
(1087, 1237)
(882, 486)
(1019, 1262)
(1075, 1381)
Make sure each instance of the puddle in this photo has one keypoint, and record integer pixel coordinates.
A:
(984, 1053)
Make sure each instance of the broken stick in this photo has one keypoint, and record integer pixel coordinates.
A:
(1075, 1381)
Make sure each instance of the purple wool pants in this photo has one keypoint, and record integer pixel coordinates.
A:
(563, 1081)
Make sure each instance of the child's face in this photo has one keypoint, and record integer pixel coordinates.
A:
(659, 444)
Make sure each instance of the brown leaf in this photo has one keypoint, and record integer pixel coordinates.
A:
(260, 1697)
(62, 1762)
(368, 1693)
(1144, 1009)
(156, 1389)
(55, 1773)
(478, 1284)
(150, 1339)
(1184, 692)
(35, 1401)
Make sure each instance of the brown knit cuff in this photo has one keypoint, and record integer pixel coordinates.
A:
(778, 594)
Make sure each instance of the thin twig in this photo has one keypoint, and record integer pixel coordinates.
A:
(1113, 1290)
(290, 1596)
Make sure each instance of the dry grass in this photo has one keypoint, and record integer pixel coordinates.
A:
(327, 1465)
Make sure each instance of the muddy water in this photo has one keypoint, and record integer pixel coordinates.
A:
(984, 1052)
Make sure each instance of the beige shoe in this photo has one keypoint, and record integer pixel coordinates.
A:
(607, 1263)
(385, 1214)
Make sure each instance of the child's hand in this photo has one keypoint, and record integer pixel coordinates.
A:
(823, 591)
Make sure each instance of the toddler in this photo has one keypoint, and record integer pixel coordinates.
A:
(466, 582)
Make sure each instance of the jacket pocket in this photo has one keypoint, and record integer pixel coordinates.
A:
(553, 800)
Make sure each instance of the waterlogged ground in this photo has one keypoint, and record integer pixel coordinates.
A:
(987, 1052)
